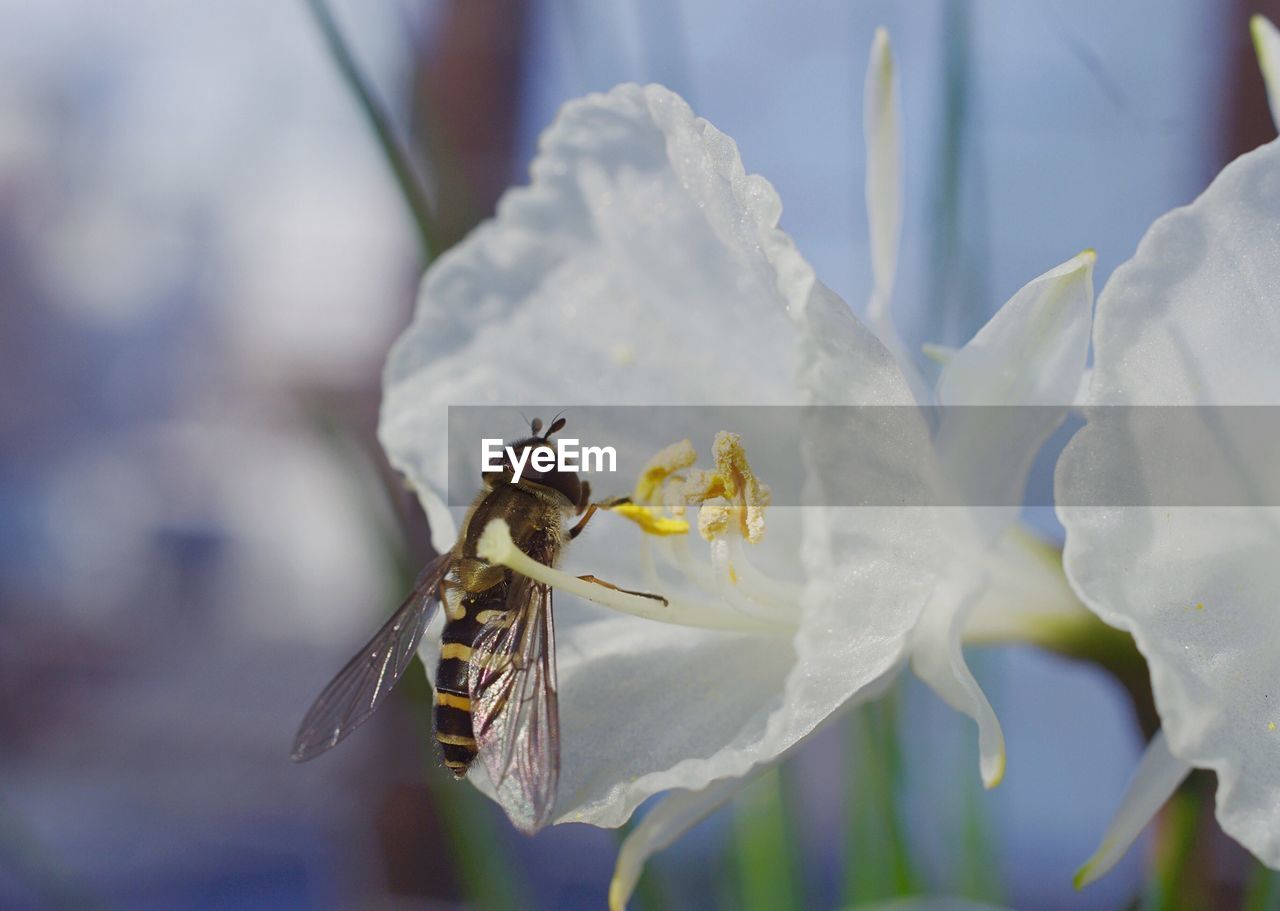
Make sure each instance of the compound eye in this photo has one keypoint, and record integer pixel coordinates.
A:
(564, 481)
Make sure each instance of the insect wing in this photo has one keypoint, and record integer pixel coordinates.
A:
(359, 688)
(513, 702)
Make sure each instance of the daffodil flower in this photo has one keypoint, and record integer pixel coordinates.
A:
(644, 266)
(1191, 320)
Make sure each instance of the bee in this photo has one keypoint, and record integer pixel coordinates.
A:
(495, 687)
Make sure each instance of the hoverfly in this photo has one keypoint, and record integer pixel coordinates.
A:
(496, 679)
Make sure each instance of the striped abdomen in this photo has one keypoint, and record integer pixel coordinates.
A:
(453, 699)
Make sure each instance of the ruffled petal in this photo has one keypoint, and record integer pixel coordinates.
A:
(670, 818)
(1031, 353)
(642, 265)
(1266, 41)
(1157, 777)
(1192, 319)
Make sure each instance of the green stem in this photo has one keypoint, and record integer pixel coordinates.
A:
(978, 875)
(472, 829)
(1174, 887)
(649, 894)
(1263, 890)
(410, 189)
(488, 886)
(765, 848)
(953, 306)
(877, 863)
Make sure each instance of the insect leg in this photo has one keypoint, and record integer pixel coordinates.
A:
(591, 511)
(625, 591)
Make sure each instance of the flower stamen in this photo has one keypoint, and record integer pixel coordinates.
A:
(650, 520)
(496, 546)
(659, 473)
(731, 503)
(732, 481)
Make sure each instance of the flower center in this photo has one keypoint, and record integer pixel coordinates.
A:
(729, 591)
(731, 504)
(728, 498)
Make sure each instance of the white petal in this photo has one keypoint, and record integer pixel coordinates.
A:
(1157, 777)
(646, 707)
(1031, 353)
(641, 266)
(674, 814)
(1266, 41)
(1197, 589)
(882, 135)
(938, 660)
(883, 139)
(1192, 319)
(842, 362)
(1082, 391)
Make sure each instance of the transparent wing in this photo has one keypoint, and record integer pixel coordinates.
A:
(513, 705)
(358, 690)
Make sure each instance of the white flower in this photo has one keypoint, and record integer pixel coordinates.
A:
(1191, 320)
(644, 266)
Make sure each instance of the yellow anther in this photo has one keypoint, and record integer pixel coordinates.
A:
(656, 472)
(733, 480)
(654, 490)
(650, 520)
(731, 492)
(701, 486)
(713, 520)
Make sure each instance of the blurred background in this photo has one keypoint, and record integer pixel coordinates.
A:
(203, 259)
